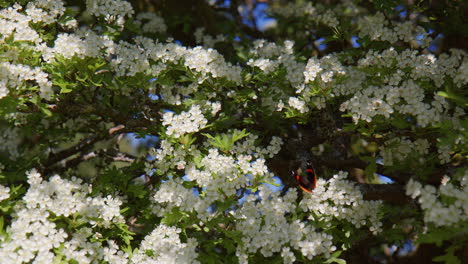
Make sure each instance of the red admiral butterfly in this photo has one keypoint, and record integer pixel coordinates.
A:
(307, 180)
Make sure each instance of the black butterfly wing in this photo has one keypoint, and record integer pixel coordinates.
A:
(307, 180)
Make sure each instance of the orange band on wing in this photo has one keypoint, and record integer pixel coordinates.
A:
(304, 189)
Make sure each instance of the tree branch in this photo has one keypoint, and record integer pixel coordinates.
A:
(112, 155)
(390, 193)
(401, 178)
(81, 146)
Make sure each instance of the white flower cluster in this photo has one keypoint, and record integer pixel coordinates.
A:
(377, 28)
(215, 107)
(317, 14)
(63, 197)
(164, 246)
(80, 248)
(130, 60)
(270, 97)
(408, 98)
(176, 94)
(298, 104)
(210, 61)
(10, 141)
(3, 89)
(112, 254)
(220, 176)
(339, 198)
(461, 77)
(263, 48)
(206, 40)
(400, 92)
(4, 192)
(268, 57)
(217, 174)
(69, 24)
(318, 74)
(83, 43)
(401, 148)
(204, 61)
(150, 23)
(169, 156)
(172, 193)
(13, 22)
(113, 11)
(438, 211)
(16, 75)
(327, 67)
(266, 229)
(266, 65)
(186, 122)
(32, 236)
(421, 66)
(46, 11)
(249, 147)
(444, 153)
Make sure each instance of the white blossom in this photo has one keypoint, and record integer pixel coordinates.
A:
(150, 22)
(4, 192)
(10, 139)
(46, 11)
(400, 149)
(437, 211)
(33, 235)
(111, 10)
(13, 22)
(341, 199)
(185, 122)
(298, 104)
(266, 229)
(166, 247)
(16, 75)
(206, 40)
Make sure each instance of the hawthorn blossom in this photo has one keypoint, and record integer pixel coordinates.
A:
(436, 210)
(185, 122)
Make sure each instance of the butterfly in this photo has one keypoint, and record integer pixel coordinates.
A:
(307, 179)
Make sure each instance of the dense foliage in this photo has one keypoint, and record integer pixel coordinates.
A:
(169, 131)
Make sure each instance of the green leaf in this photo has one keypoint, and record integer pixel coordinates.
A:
(272, 183)
(459, 100)
(65, 87)
(173, 217)
(239, 135)
(399, 122)
(438, 235)
(46, 111)
(165, 80)
(229, 246)
(226, 141)
(335, 260)
(336, 254)
(187, 140)
(2, 223)
(84, 79)
(450, 257)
